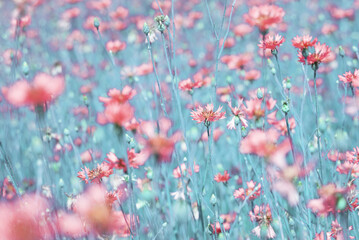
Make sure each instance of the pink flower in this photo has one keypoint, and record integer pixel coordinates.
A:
(252, 75)
(264, 144)
(115, 46)
(222, 178)
(207, 115)
(252, 190)
(117, 109)
(351, 78)
(327, 203)
(271, 42)
(43, 89)
(177, 170)
(239, 115)
(303, 42)
(95, 209)
(25, 218)
(264, 16)
(158, 144)
(95, 175)
(321, 54)
(118, 96)
(263, 216)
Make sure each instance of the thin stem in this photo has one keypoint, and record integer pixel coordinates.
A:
(289, 135)
(317, 121)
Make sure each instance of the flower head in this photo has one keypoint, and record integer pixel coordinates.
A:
(43, 89)
(207, 115)
(252, 191)
(271, 42)
(351, 78)
(264, 16)
(303, 42)
(222, 178)
(321, 54)
(239, 116)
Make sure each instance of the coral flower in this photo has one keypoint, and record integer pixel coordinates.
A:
(44, 89)
(263, 216)
(351, 78)
(157, 144)
(271, 42)
(239, 116)
(328, 201)
(252, 191)
(207, 115)
(222, 178)
(303, 42)
(96, 174)
(321, 54)
(115, 46)
(264, 16)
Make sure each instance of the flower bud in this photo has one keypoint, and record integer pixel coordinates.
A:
(96, 23)
(259, 93)
(146, 29)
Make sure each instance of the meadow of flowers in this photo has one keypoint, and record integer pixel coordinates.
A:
(172, 119)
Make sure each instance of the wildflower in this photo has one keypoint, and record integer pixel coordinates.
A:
(252, 75)
(222, 178)
(303, 42)
(353, 156)
(252, 191)
(118, 96)
(42, 90)
(94, 208)
(237, 61)
(263, 216)
(158, 144)
(177, 171)
(271, 42)
(281, 125)
(351, 78)
(328, 201)
(238, 116)
(264, 144)
(117, 109)
(264, 16)
(321, 53)
(96, 174)
(115, 46)
(207, 115)
(25, 218)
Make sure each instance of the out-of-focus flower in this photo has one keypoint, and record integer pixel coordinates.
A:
(117, 108)
(43, 89)
(157, 144)
(222, 178)
(264, 144)
(252, 75)
(239, 115)
(252, 191)
(351, 78)
(281, 125)
(96, 211)
(115, 46)
(177, 171)
(328, 201)
(207, 115)
(264, 16)
(25, 218)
